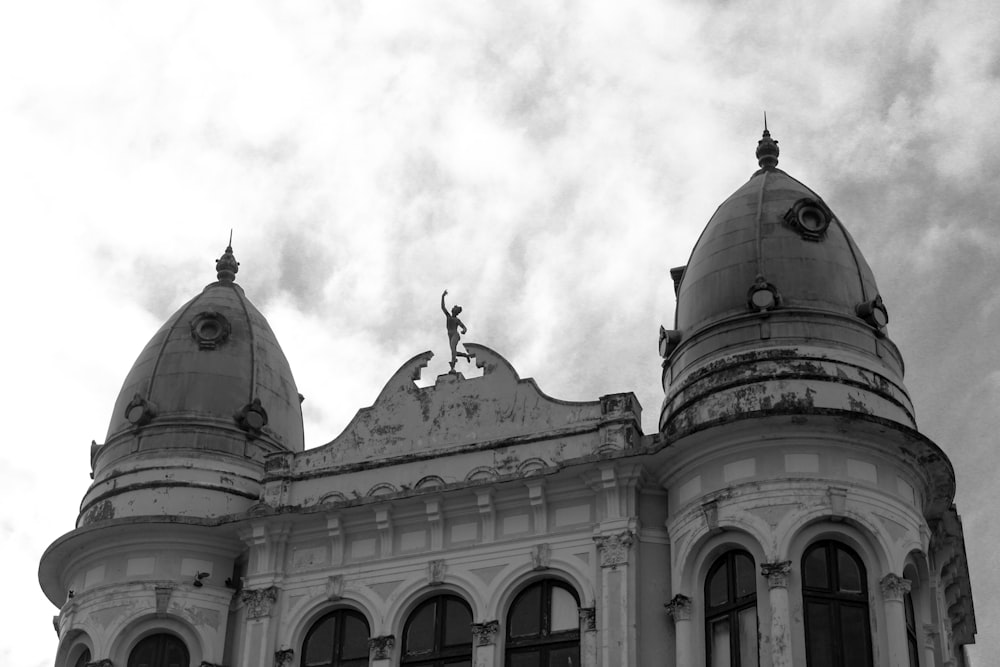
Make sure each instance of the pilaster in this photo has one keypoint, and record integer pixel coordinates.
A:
(894, 588)
(777, 590)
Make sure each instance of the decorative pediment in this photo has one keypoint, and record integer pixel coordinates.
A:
(497, 409)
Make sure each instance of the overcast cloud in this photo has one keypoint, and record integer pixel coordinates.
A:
(548, 163)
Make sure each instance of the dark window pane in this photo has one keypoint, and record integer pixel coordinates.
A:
(525, 614)
(355, 638)
(819, 635)
(848, 573)
(564, 657)
(464, 662)
(746, 578)
(815, 574)
(319, 643)
(911, 623)
(420, 631)
(854, 635)
(717, 589)
(83, 659)
(525, 659)
(457, 624)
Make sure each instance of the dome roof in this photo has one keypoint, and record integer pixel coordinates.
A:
(215, 362)
(756, 233)
(777, 313)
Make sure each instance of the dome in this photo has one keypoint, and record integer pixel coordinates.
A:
(208, 398)
(777, 310)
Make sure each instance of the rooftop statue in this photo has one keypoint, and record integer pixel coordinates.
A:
(453, 324)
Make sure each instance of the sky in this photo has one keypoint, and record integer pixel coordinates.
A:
(547, 163)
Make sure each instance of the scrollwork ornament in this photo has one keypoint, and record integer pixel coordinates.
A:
(679, 608)
(284, 657)
(259, 601)
(894, 587)
(776, 573)
(485, 634)
(588, 619)
(381, 647)
(613, 549)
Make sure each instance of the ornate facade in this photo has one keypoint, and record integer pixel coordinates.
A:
(787, 511)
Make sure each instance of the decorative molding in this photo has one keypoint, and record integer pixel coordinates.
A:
(894, 587)
(435, 572)
(541, 556)
(259, 601)
(837, 497)
(710, 511)
(613, 549)
(335, 587)
(485, 634)
(381, 647)
(679, 608)
(284, 657)
(776, 573)
(588, 619)
(163, 594)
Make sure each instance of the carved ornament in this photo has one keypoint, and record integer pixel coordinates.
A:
(894, 587)
(381, 647)
(259, 601)
(284, 657)
(541, 556)
(485, 634)
(613, 549)
(776, 573)
(679, 608)
(435, 572)
(163, 594)
(335, 587)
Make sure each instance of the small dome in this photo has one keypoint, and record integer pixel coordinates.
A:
(216, 363)
(777, 313)
(776, 229)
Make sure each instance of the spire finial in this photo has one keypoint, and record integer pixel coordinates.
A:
(227, 266)
(767, 149)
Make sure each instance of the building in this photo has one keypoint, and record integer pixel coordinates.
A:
(787, 512)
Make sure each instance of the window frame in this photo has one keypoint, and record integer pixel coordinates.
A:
(340, 616)
(545, 641)
(730, 610)
(836, 600)
(441, 654)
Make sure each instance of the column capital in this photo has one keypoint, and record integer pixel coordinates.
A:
(894, 587)
(613, 549)
(283, 657)
(679, 608)
(381, 647)
(485, 634)
(776, 573)
(259, 601)
(588, 619)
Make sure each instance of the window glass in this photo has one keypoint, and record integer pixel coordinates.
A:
(160, 650)
(746, 576)
(526, 614)
(564, 657)
(458, 623)
(83, 659)
(565, 614)
(319, 646)
(718, 586)
(854, 630)
(420, 630)
(814, 570)
(524, 659)
(820, 635)
(355, 638)
(848, 574)
(748, 636)
(720, 643)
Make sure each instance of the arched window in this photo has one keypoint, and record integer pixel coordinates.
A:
(835, 601)
(731, 611)
(439, 633)
(161, 650)
(339, 639)
(543, 627)
(911, 630)
(83, 659)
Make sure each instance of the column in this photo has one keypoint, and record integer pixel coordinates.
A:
(484, 636)
(617, 639)
(679, 609)
(894, 587)
(777, 593)
(930, 639)
(256, 639)
(588, 636)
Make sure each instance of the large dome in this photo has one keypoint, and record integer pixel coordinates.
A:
(208, 398)
(777, 312)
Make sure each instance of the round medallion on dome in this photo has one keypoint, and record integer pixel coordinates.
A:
(210, 330)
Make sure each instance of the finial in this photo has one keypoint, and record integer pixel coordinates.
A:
(767, 149)
(227, 266)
